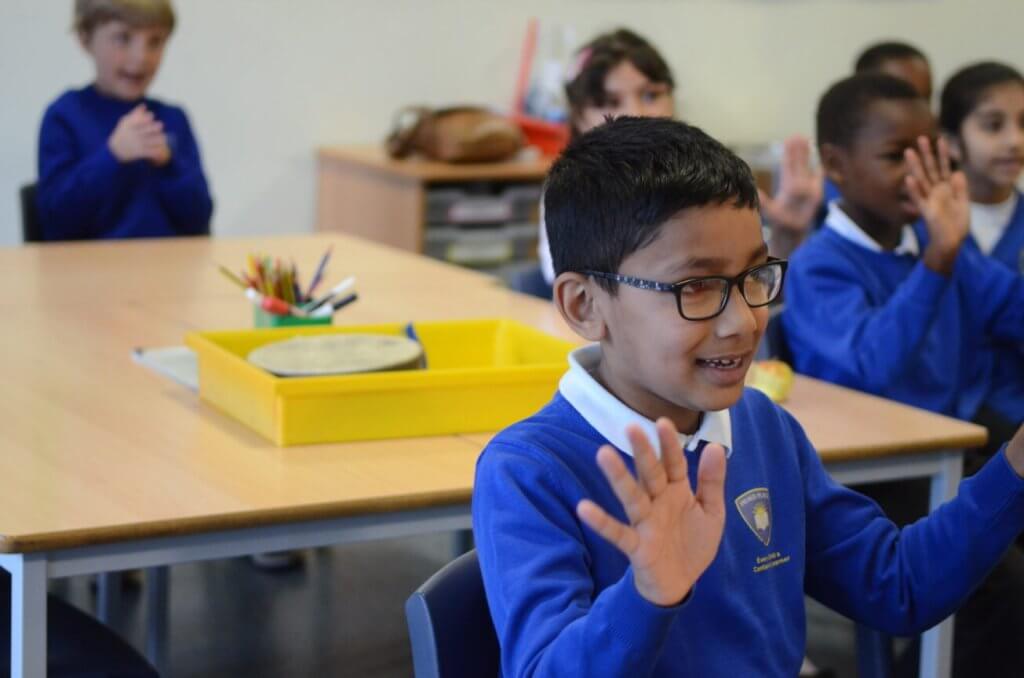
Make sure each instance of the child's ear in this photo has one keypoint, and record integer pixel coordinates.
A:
(83, 40)
(833, 162)
(574, 296)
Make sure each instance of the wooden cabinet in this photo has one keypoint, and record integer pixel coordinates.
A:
(363, 192)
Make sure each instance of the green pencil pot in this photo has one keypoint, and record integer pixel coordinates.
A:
(261, 318)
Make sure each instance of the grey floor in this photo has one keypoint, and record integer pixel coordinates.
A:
(339, 615)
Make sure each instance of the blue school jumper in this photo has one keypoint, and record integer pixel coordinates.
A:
(886, 324)
(1009, 250)
(564, 602)
(84, 192)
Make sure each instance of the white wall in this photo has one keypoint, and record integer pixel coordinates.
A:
(266, 81)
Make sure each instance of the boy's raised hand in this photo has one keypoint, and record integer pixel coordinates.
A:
(673, 534)
(801, 187)
(139, 136)
(941, 196)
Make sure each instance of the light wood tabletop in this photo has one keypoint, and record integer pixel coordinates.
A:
(96, 449)
(846, 425)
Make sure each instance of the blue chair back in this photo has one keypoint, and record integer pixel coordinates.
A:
(450, 624)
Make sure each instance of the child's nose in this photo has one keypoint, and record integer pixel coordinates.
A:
(1016, 135)
(140, 52)
(737, 318)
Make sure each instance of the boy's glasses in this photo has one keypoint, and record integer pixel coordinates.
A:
(707, 296)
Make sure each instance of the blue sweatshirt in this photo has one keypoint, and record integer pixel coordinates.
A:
(886, 324)
(1009, 249)
(83, 191)
(564, 602)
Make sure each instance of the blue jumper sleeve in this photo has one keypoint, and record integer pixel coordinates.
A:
(830, 320)
(182, 189)
(539, 588)
(905, 581)
(996, 295)
(72, 190)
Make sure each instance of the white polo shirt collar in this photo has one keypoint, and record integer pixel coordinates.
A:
(610, 416)
(841, 223)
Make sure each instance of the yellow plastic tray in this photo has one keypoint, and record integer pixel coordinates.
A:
(481, 375)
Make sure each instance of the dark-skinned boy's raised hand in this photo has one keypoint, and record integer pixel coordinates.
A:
(673, 534)
(941, 196)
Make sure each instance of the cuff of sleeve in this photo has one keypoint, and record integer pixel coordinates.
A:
(967, 259)
(998, 491)
(106, 163)
(175, 167)
(926, 285)
(641, 624)
(928, 280)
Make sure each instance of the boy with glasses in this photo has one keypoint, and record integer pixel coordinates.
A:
(653, 561)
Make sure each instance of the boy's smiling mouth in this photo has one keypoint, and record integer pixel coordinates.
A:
(133, 78)
(725, 370)
(722, 363)
(1010, 163)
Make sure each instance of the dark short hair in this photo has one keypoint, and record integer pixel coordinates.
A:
(842, 110)
(612, 188)
(602, 54)
(872, 58)
(965, 89)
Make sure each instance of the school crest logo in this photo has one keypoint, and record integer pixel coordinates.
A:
(756, 508)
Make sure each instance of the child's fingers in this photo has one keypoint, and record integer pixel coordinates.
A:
(917, 171)
(151, 127)
(138, 112)
(798, 155)
(958, 182)
(153, 139)
(790, 163)
(672, 455)
(611, 530)
(711, 480)
(142, 130)
(629, 493)
(928, 159)
(139, 115)
(155, 151)
(914, 189)
(945, 166)
(771, 207)
(649, 470)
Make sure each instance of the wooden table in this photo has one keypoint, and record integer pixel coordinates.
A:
(107, 466)
(363, 192)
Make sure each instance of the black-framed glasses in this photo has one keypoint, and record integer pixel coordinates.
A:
(705, 297)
